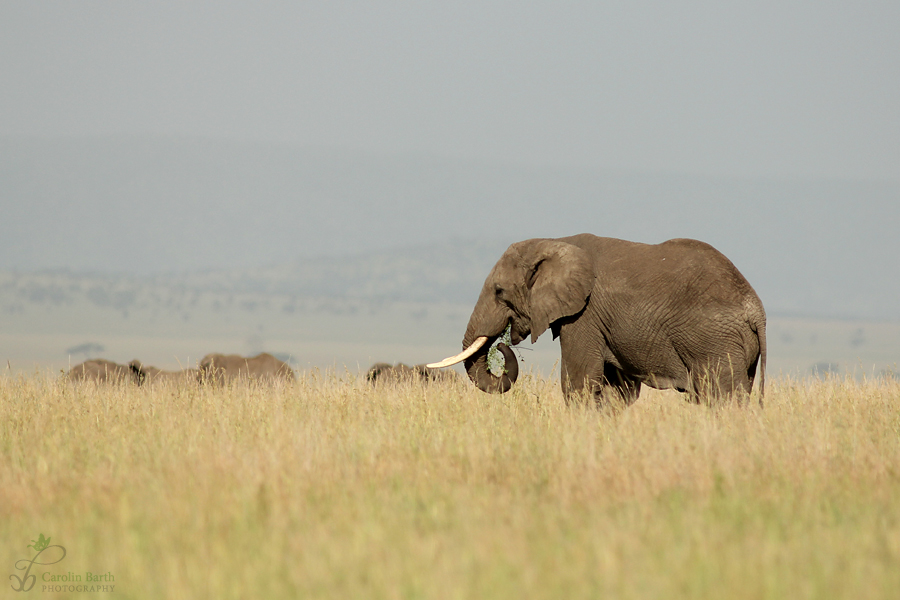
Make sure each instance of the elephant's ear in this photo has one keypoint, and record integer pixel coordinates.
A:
(559, 278)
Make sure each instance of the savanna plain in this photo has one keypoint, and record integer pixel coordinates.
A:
(330, 488)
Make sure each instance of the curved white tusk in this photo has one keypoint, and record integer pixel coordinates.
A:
(478, 343)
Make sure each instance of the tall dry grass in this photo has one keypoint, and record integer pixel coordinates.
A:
(330, 489)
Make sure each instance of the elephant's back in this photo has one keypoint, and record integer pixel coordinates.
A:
(98, 369)
(265, 364)
(681, 269)
(703, 266)
(235, 366)
(660, 278)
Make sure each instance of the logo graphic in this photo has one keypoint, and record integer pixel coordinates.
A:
(26, 582)
(40, 544)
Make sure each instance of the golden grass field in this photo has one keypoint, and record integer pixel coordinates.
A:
(332, 489)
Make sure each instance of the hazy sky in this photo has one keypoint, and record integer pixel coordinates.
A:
(762, 88)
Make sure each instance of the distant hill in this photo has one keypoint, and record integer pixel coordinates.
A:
(443, 272)
(450, 273)
(206, 213)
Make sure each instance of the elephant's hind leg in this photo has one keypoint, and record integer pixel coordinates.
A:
(615, 385)
(720, 381)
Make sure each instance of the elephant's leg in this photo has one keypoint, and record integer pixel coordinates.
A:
(584, 369)
(736, 384)
(617, 383)
(582, 382)
(706, 386)
(602, 381)
(566, 382)
(722, 379)
(574, 382)
(629, 388)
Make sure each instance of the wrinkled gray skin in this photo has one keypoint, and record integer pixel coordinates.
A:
(101, 371)
(147, 375)
(222, 368)
(671, 315)
(384, 372)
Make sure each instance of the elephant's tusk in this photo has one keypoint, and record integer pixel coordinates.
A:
(478, 343)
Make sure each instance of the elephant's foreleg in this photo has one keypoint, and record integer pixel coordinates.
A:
(573, 384)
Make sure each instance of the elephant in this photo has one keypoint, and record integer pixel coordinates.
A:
(222, 368)
(382, 372)
(672, 315)
(101, 371)
(147, 375)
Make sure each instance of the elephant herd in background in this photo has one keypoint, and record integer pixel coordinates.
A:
(213, 368)
(387, 373)
(223, 368)
(676, 315)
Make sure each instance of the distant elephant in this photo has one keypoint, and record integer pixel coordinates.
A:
(221, 368)
(671, 315)
(380, 372)
(147, 375)
(101, 371)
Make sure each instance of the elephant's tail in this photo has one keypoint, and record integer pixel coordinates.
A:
(755, 316)
(761, 335)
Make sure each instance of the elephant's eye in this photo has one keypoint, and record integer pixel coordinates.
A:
(498, 291)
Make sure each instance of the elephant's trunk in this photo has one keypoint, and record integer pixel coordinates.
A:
(477, 369)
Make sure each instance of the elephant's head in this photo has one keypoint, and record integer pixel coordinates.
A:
(535, 283)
